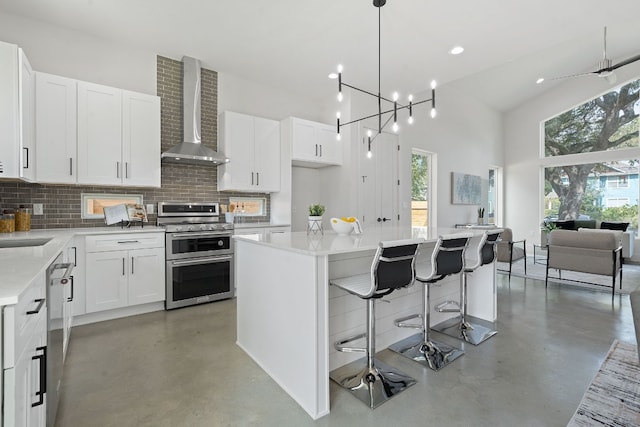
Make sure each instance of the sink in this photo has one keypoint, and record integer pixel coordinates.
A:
(23, 243)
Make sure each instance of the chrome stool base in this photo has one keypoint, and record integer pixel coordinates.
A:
(373, 386)
(471, 332)
(433, 354)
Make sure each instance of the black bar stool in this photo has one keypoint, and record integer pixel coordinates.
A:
(461, 328)
(447, 258)
(393, 267)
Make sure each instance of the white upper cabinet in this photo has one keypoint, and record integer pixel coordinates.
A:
(141, 139)
(99, 134)
(118, 137)
(253, 146)
(17, 141)
(56, 123)
(313, 144)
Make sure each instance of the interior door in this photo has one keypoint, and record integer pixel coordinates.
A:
(378, 195)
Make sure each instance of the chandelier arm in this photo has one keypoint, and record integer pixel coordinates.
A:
(383, 112)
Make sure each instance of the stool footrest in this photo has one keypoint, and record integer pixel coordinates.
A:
(340, 345)
(448, 307)
(402, 321)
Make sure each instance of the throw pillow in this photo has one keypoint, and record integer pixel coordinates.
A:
(566, 225)
(622, 226)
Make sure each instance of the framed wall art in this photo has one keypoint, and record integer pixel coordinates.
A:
(465, 189)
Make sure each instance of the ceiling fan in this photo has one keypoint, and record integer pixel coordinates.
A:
(606, 67)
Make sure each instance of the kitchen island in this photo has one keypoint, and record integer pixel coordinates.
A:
(289, 316)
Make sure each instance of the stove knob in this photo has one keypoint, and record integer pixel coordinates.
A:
(178, 228)
(190, 228)
(203, 227)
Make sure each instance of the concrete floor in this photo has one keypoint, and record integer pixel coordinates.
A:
(182, 368)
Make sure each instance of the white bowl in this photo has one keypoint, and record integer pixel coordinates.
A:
(340, 226)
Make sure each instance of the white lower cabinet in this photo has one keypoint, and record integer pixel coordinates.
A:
(130, 275)
(24, 358)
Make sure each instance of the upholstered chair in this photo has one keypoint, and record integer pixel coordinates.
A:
(510, 251)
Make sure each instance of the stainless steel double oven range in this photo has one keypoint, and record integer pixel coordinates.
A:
(199, 253)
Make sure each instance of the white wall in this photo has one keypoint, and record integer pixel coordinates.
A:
(467, 137)
(523, 174)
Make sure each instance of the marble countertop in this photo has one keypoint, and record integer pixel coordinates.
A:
(331, 243)
(20, 266)
(259, 225)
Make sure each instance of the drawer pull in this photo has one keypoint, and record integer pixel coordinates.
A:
(129, 241)
(43, 375)
(40, 302)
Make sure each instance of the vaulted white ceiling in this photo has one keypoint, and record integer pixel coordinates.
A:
(295, 44)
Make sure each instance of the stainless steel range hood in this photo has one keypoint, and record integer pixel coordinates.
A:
(191, 151)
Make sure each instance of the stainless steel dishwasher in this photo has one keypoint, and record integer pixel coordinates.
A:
(58, 275)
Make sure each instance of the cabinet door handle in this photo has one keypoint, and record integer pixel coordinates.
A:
(40, 302)
(123, 266)
(70, 166)
(316, 150)
(70, 299)
(75, 256)
(27, 158)
(320, 150)
(42, 358)
(257, 178)
(251, 178)
(117, 169)
(132, 258)
(126, 170)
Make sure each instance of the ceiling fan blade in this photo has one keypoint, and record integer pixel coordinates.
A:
(573, 75)
(625, 62)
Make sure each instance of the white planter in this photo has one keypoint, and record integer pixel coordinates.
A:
(314, 224)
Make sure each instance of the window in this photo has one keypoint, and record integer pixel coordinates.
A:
(616, 203)
(420, 196)
(93, 204)
(617, 181)
(248, 206)
(589, 167)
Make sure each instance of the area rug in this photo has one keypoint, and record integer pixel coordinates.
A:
(613, 397)
(630, 276)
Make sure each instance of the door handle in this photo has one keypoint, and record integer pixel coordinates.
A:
(42, 358)
(27, 158)
(123, 266)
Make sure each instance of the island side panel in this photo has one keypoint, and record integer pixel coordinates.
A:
(282, 320)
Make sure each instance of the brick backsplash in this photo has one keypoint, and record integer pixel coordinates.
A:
(179, 183)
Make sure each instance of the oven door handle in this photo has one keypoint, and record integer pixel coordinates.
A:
(202, 260)
(191, 235)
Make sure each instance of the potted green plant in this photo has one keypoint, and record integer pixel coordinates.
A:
(545, 229)
(315, 217)
(480, 216)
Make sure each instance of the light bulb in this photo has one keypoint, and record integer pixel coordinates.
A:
(410, 120)
(410, 98)
(433, 113)
(369, 133)
(540, 80)
(338, 114)
(395, 96)
(369, 155)
(395, 127)
(340, 97)
(338, 137)
(433, 84)
(339, 68)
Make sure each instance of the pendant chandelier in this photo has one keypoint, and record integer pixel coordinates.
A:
(392, 106)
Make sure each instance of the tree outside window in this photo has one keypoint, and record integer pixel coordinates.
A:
(580, 190)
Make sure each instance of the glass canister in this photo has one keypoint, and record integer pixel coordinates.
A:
(23, 219)
(7, 222)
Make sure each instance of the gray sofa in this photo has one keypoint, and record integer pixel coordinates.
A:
(594, 253)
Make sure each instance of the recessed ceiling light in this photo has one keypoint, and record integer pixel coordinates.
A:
(457, 50)
(540, 80)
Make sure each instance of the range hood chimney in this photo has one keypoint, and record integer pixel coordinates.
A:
(191, 151)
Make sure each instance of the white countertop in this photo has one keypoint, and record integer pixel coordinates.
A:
(258, 225)
(20, 266)
(332, 243)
